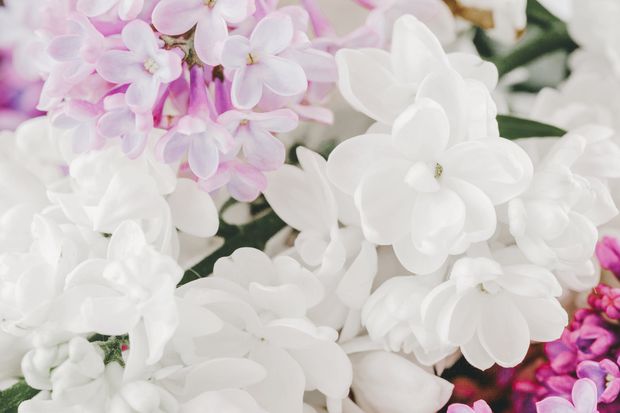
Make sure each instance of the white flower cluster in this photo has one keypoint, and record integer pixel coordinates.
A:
(427, 237)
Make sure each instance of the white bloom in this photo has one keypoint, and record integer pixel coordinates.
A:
(132, 291)
(31, 281)
(424, 190)
(382, 84)
(385, 382)
(492, 309)
(393, 317)
(108, 188)
(554, 222)
(296, 355)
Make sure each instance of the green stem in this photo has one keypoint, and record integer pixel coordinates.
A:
(554, 39)
(254, 235)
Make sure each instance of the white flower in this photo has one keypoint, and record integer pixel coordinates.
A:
(132, 291)
(492, 309)
(345, 263)
(554, 222)
(393, 317)
(382, 84)
(108, 188)
(423, 189)
(385, 382)
(75, 374)
(296, 355)
(31, 281)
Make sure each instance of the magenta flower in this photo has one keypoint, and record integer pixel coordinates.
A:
(145, 66)
(211, 18)
(584, 400)
(127, 9)
(605, 374)
(253, 132)
(257, 63)
(606, 299)
(479, 407)
(608, 254)
(119, 121)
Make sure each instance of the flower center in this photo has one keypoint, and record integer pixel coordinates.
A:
(151, 65)
(210, 3)
(438, 170)
(608, 379)
(250, 59)
(489, 287)
(244, 122)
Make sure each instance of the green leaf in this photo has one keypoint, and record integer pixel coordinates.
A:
(511, 127)
(12, 397)
(539, 15)
(254, 235)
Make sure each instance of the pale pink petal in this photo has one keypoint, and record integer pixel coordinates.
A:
(281, 120)
(234, 11)
(555, 405)
(482, 407)
(283, 77)
(129, 9)
(235, 52)
(203, 156)
(170, 66)
(318, 65)
(272, 34)
(263, 150)
(459, 408)
(585, 396)
(133, 144)
(139, 38)
(247, 87)
(175, 145)
(64, 48)
(177, 16)
(247, 183)
(115, 123)
(142, 93)
(210, 35)
(92, 8)
(120, 67)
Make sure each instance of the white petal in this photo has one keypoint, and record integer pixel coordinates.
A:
(193, 210)
(414, 260)
(545, 317)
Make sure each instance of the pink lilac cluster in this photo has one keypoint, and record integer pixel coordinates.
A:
(589, 348)
(221, 77)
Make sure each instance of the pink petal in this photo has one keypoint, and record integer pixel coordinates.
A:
(482, 407)
(139, 38)
(119, 66)
(115, 123)
(64, 48)
(203, 156)
(235, 52)
(585, 396)
(459, 408)
(92, 8)
(282, 120)
(555, 405)
(142, 93)
(234, 11)
(173, 146)
(247, 183)
(247, 87)
(272, 34)
(177, 16)
(283, 77)
(210, 35)
(263, 150)
(130, 9)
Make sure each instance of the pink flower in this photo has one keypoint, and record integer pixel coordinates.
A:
(606, 299)
(479, 407)
(201, 139)
(257, 63)
(584, 400)
(211, 18)
(243, 181)
(605, 374)
(127, 9)
(120, 121)
(253, 132)
(145, 66)
(608, 254)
